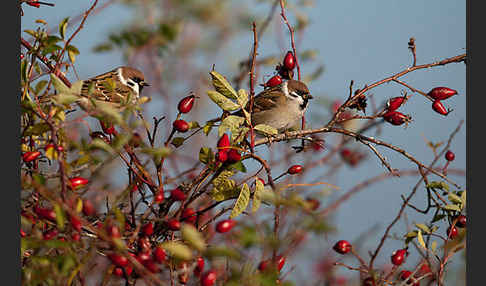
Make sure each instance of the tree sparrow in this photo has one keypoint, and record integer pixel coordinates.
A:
(281, 106)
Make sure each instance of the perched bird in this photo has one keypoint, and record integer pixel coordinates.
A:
(281, 106)
(115, 86)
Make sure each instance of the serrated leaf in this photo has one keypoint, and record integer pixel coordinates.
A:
(423, 227)
(177, 141)
(266, 129)
(177, 250)
(242, 98)
(60, 217)
(242, 201)
(231, 123)
(452, 208)
(63, 26)
(222, 85)
(222, 101)
(238, 137)
(420, 239)
(206, 155)
(193, 237)
(257, 199)
(224, 187)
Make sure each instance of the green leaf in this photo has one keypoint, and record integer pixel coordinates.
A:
(59, 85)
(221, 251)
(63, 26)
(193, 125)
(452, 208)
(37, 129)
(224, 187)
(420, 239)
(433, 246)
(177, 141)
(223, 102)
(237, 166)
(72, 52)
(242, 98)
(98, 143)
(454, 198)
(423, 227)
(31, 32)
(157, 153)
(463, 198)
(242, 201)
(207, 128)
(193, 237)
(206, 155)
(177, 250)
(231, 123)
(438, 217)
(257, 196)
(222, 85)
(266, 129)
(411, 234)
(60, 217)
(40, 86)
(438, 185)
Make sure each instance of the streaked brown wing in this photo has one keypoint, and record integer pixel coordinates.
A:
(266, 100)
(105, 87)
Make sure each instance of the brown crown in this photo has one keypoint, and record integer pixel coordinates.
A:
(129, 72)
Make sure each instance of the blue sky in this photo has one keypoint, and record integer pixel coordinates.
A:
(363, 41)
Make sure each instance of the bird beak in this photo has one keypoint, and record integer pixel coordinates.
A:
(143, 83)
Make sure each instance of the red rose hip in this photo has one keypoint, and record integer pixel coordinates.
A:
(148, 229)
(441, 93)
(394, 103)
(208, 278)
(180, 125)
(77, 182)
(30, 156)
(289, 61)
(342, 247)
(295, 169)
(174, 224)
(177, 194)
(225, 225)
(461, 221)
(452, 232)
(396, 118)
(450, 156)
(185, 105)
(398, 256)
(159, 254)
(233, 156)
(438, 107)
(274, 81)
(189, 215)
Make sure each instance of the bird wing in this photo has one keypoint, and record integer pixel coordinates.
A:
(267, 99)
(105, 87)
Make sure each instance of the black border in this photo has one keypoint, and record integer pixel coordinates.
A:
(10, 117)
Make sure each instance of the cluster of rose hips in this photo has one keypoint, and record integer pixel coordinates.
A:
(396, 117)
(452, 230)
(227, 154)
(184, 106)
(438, 94)
(285, 70)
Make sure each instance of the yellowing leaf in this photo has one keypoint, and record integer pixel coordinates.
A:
(266, 129)
(420, 239)
(242, 201)
(193, 237)
(224, 187)
(433, 246)
(452, 208)
(242, 98)
(231, 123)
(51, 153)
(177, 250)
(257, 199)
(60, 218)
(222, 85)
(63, 26)
(423, 227)
(222, 101)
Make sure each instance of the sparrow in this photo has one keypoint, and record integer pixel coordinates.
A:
(115, 86)
(281, 106)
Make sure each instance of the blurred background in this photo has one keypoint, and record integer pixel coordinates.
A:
(364, 41)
